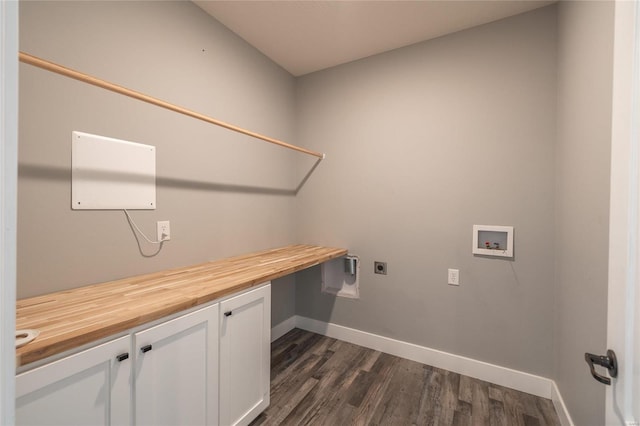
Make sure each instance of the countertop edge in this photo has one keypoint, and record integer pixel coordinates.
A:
(39, 350)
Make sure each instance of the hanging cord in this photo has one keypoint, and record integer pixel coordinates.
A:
(138, 229)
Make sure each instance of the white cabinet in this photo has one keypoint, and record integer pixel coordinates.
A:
(207, 367)
(245, 338)
(163, 375)
(176, 371)
(88, 388)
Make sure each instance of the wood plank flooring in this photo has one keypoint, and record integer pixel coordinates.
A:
(316, 380)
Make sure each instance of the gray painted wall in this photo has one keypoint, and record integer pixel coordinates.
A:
(423, 142)
(585, 55)
(224, 193)
(283, 299)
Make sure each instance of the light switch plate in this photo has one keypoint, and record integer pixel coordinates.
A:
(454, 277)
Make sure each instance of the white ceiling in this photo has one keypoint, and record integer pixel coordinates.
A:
(309, 35)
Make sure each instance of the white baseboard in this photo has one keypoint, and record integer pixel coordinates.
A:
(283, 328)
(514, 379)
(561, 409)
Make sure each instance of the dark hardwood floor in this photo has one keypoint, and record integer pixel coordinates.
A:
(316, 380)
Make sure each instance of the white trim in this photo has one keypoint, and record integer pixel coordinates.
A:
(514, 379)
(561, 409)
(518, 380)
(624, 234)
(8, 203)
(283, 328)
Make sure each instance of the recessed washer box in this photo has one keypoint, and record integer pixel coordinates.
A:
(111, 174)
(492, 240)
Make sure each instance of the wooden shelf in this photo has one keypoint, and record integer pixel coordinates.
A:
(72, 318)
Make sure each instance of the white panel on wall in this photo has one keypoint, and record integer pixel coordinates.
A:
(492, 240)
(111, 174)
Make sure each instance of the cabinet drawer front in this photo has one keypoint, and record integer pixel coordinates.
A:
(90, 387)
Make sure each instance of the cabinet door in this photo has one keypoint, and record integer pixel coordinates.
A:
(88, 388)
(245, 334)
(176, 371)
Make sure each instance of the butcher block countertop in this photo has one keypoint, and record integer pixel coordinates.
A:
(72, 318)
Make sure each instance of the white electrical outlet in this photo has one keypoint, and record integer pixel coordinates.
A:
(454, 277)
(164, 230)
